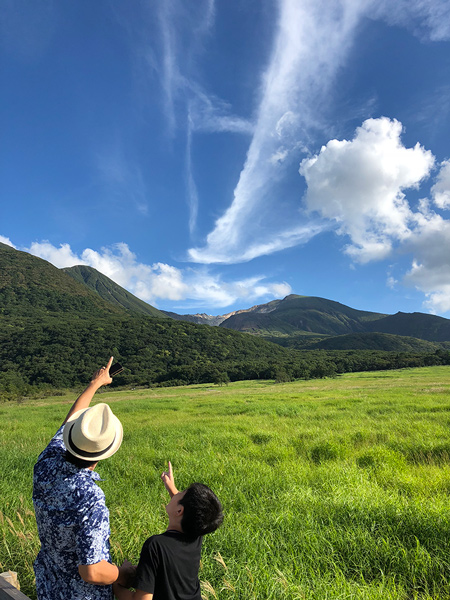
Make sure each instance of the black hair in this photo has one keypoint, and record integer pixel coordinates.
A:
(79, 462)
(202, 511)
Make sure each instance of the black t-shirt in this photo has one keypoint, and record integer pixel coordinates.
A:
(168, 567)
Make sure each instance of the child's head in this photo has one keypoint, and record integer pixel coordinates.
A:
(202, 511)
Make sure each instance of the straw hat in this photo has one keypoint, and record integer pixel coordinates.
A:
(93, 433)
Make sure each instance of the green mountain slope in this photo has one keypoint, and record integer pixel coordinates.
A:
(298, 316)
(303, 314)
(31, 287)
(418, 325)
(110, 291)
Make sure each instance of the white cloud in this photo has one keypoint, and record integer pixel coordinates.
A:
(285, 239)
(441, 189)
(7, 241)
(427, 19)
(210, 114)
(60, 257)
(359, 184)
(430, 271)
(161, 281)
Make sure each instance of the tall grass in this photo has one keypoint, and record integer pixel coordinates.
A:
(332, 489)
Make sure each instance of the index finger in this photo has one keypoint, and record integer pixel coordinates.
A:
(170, 470)
(109, 363)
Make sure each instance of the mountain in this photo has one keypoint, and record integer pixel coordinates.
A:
(199, 318)
(306, 314)
(215, 320)
(30, 286)
(110, 291)
(419, 325)
(301, 317)
(295, 321)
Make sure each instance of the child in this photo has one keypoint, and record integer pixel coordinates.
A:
(169, 562)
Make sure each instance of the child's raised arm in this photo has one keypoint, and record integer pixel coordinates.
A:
(169, 482)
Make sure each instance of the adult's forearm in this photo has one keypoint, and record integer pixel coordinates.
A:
(84, 400)
(100, 377)
(101, 573)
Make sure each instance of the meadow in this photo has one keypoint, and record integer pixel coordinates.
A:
(332, 489)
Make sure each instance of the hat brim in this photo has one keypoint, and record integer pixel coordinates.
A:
(90, 456)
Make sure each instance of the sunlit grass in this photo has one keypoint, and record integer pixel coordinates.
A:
(332, 489)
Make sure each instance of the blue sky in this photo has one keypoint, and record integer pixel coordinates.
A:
(212, 155)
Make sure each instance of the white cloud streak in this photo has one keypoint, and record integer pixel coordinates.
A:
(161, 281)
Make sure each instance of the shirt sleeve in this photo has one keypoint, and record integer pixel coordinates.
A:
(147, 567)
(93, 534)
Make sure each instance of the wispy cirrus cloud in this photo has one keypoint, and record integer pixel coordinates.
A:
(160, 281)
(122, 177)
(171, 55)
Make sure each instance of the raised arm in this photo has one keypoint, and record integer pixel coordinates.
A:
(169, 482)
(99, 378)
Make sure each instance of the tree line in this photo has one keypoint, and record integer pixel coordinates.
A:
(51, 352)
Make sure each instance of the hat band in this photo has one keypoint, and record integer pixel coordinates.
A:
(84, 453)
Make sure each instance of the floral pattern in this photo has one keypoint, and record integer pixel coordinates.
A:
(73, 525)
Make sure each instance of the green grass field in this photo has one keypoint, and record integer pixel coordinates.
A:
(332, 489)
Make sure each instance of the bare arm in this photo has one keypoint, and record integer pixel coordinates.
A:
(104, 573)
(99, 378)
(169, 481)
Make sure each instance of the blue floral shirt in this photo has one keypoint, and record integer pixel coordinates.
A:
(73, 526)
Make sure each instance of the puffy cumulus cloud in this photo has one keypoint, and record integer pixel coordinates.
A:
(441, 189)
(60, 257)
(7, 241)
(160, 281)
(119, 263)
(359, 185)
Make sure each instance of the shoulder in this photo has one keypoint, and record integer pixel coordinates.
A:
(173, 539)
(55, 447)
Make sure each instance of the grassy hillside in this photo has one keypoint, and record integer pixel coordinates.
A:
(333, 489)
(111, 291)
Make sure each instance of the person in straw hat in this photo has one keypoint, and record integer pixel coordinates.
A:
(73, 521)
